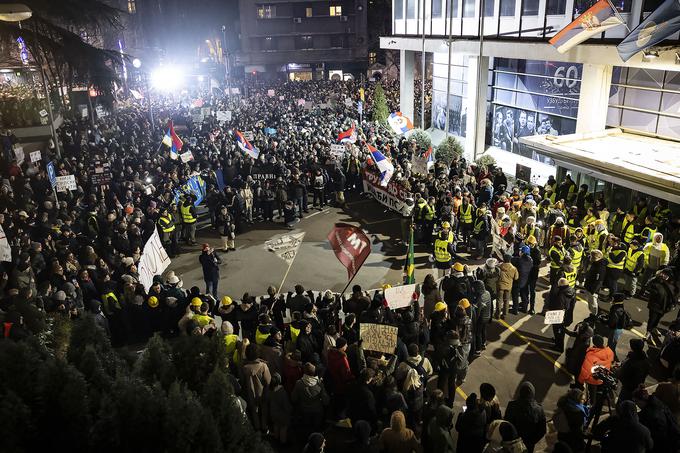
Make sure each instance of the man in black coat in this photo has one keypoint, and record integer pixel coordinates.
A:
(210, 262)
(524, 265)
(527, 415)
(561, 297)
(361, 401)
(624, 432)
(633, 370)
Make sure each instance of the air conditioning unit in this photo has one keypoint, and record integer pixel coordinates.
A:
(343, 18)
(298, 20)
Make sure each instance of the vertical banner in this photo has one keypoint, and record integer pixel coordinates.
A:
(351, 246)
(5, 249)
(154, 260)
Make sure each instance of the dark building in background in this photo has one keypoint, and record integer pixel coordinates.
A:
(303, 40)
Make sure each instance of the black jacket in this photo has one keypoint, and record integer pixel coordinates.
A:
(595, 276)
(527, 416)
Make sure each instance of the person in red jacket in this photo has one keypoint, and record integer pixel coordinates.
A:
(596, 355)
(338, 369)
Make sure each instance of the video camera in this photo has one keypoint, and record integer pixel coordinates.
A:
(609, 381)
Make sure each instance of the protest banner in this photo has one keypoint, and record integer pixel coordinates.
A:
(194, 186)
(394, 196)
(338, 150)
(263, 172)
(36, 156)
(554, 317)
(249, 135)
(153, 262)
(235, 91)
(224, 115)
(66, 183)
(19, 154)
(270, 93)
(400, 296)
(5, 249)
(100, 173)
(285, 247)
(378, 337)
(301, 102)
(186, 157)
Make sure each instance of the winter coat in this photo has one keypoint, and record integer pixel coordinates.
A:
(527, 416)
(309, 397)
(524, 265)
(508, 274)
(662, 425)
(211, 265)
(594, 277)
(338, 370)
(562, 298)
(482, 302)
(439, 431)
(595, 356)
(626, 433)
(536, 259)
(577, 353)
(280, 408)
(255, 379)
(398, 438)
(471, 427)
(361, 403)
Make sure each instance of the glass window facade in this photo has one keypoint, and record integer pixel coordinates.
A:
(398, 9)
(411, 9)
(457, 93)
(645, 100)
(437, 8)
(531, 98)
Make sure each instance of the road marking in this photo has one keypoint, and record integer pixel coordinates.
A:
(315, 213)
(461, 393)
(379, 221)
(534, 347)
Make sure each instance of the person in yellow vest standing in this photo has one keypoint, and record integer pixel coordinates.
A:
(428, 216)
(556, 255)
(634, 264)
(657, 255)
(576, 252)
(189, 218)
(465, 213)
(616, 258)
(648, 230)
(628, 231)
(443, 253)
(168, 230)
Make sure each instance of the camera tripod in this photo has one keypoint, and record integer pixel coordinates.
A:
(604, 393)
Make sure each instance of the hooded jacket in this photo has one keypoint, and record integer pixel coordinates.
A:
(339, 370)
(309, 396)
(507, 276)
(595, 356)
(482, 302)
(624, 432)
(527, 415)
(439, 431)
(398, 438)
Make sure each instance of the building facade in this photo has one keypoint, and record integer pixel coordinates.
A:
(303, 40)
(498, 84)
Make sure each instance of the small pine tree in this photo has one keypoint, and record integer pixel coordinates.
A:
(380, 109)
(188, 426)
(16, 429)
(448, 149)
(155, 363)
(422, 139)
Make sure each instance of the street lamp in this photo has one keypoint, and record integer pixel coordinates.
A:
(137, 63)
(15, 12)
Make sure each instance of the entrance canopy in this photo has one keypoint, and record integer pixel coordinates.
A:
(646, 164)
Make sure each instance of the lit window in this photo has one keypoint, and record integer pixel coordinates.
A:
(336, 10)
(308, 12)
(266, 11)
(372, 58)
(132, 7)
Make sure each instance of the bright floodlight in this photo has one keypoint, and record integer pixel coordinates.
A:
(137, 63)
(14, 12)
(166, 78)
(201, 78)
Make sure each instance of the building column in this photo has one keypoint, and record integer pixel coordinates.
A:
(474, 107)
(593, 100)
(406, 76)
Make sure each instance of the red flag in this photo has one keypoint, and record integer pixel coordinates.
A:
(351, 246)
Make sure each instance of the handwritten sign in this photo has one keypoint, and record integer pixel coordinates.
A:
(186, 157)
(154, 260)
(554, 317)
(270, 93)
(378, 337)
(281, 98)
(249, 135)
(400, 296)
(285, 247)
(36, 156)
(66, 183)
(19, 154)
(338, 150)
(224, 115)
(301, 102)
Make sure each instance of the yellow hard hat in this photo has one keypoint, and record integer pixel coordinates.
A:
(440, 306)
(458, 267)
(226, 300)
(196, 302)
(446, 225)
(598, 222)
(531, 240)
(153, 301)
(386, 286)
(464, 303)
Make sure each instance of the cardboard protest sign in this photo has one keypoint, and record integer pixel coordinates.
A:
(36, 156)
(338, 150)
(301, 102)
(400, 296)
(554, 317)
(19, 154)
(100, 173)
(285, 247)
(224, 115)
(281, 98)
(66, 183)
(186, 157)
(270, 93)
(153, 262)
(378, 337)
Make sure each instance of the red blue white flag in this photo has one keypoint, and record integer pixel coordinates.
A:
(595, 20)
(246, 146)
(172, 141)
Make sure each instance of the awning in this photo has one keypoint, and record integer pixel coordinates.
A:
(646, 164)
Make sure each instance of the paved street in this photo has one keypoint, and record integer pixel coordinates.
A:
(519, 347)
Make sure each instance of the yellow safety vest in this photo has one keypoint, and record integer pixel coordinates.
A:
(187, 217)
(465, 215)
(572, 224)
(530, 231)
(261, 337)
(571, 277)
(429, 213)
(450, 238)
(615, 254)
(478, 226)
(108, 297)
(632, 259)
(648, 247)
(202, 320)
(166, 224)
(294, 333)
(552, 198)
(560, 252)
(576, 257)
(441, 251)
(662, 216)
(628, 231)
(230, 342)
(642, 213)
(587, 220)
(647, 234)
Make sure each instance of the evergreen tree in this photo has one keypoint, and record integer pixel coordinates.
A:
(16, 429)
(422, 139)
(380, 109)
(448, 149)
(84, 333)
(188, 426)
(194, 359)
(155, 363)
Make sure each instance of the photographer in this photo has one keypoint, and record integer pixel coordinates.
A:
(597, 355)
(623, 432)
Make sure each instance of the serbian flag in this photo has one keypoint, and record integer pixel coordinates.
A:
(399, 123)
(598, 18)
(429, 156)
(661, 24)
(384, 166)
(350, 245)
(349, 136)
(172, 141)
(246, 146)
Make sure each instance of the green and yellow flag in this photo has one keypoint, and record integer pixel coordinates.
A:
(409, 265)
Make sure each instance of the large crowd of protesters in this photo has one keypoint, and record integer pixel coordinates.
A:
(304, 377)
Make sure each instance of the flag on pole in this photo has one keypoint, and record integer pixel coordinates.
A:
(349, 136)
(285, 247)
(595, 20)
(172, 141)
(246, 146)
(399, 123)
(351, 247)
(661, 24)
(429, 156)
(384, 166)
(409, 265)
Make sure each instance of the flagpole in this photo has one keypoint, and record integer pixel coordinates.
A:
(348, 283)
(285, 276)
(616, 13)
